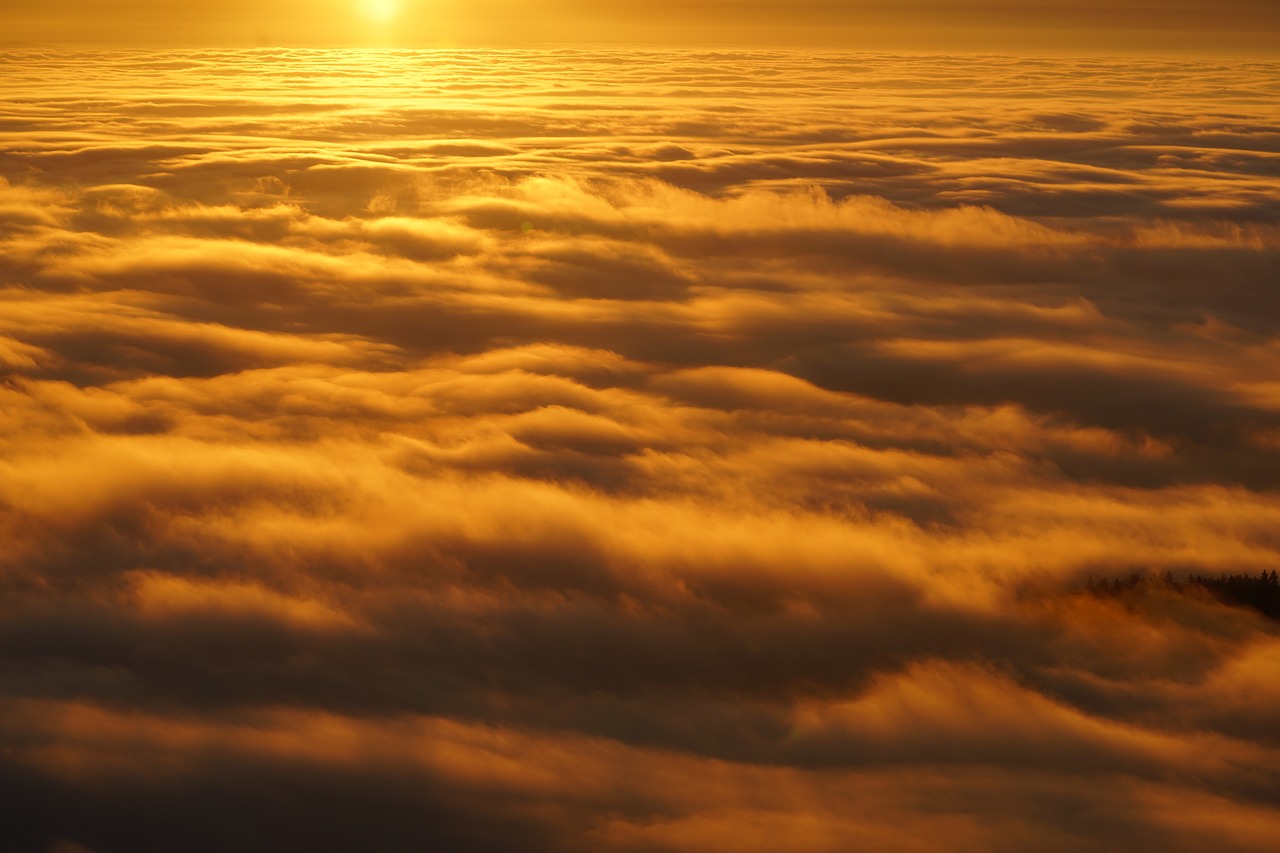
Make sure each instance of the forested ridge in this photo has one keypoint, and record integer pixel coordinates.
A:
(1260, 592)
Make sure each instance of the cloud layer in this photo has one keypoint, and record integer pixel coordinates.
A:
(574, 451)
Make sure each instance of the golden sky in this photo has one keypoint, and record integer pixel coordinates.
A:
(1047, 25)
(636, 450)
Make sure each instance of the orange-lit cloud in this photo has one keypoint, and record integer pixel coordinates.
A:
(579, 451)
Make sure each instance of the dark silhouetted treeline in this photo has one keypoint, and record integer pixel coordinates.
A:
(1261, 592)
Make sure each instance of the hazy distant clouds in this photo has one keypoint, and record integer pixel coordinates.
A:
(635, 451)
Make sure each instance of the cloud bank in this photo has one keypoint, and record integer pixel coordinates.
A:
(580, 450)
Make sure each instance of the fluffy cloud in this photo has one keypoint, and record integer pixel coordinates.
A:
(577, 451)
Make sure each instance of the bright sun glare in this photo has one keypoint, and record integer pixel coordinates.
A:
(382, 11)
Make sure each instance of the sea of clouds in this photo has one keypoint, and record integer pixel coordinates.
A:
(635, 451)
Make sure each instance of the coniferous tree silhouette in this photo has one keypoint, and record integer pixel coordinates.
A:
(1261, 593)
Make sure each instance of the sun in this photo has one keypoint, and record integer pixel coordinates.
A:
(382, 11)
